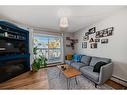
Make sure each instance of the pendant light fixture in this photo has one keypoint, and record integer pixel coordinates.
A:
(64, 22)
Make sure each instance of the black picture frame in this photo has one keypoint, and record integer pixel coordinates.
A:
(104, 41)
(110, 31)
(92, 30)
(84, 44)
(97, 40)
(87, 34)
(85, 38)
(93, 45)
(105, 32)
(91, 40)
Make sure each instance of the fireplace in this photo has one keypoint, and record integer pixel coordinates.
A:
(10, 69)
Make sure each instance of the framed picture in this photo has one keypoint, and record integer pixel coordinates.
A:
(110, 31)
(87, 34)
(92, 30)
(84, 44)
(97, 40)
(68, 45)
(97, 34)
(85, 38)
(93, 45)
(67, 38)
(105, 32)
(91, 40)
(104, 41)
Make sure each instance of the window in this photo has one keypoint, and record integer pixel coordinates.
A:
(49, 46)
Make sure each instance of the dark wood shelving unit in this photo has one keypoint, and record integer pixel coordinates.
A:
(14, 49)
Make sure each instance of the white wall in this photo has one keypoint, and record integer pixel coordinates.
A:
(117, 46)
(68, 50)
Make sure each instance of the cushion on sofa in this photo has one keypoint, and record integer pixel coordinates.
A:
(77, 57)
(77, 65)
(94, 60)
(85, 59)
(98, 65)
(88, 71)
(68, 62)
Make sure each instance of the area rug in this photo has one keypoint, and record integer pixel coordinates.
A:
(57, 82)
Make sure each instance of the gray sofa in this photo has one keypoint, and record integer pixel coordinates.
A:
(86, 66)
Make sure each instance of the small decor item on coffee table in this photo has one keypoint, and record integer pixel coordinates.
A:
(69, 72)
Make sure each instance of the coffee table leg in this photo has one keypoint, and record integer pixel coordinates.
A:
(59, 73)
(68, 83)
(76, 80)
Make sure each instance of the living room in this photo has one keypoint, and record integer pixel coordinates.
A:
(56, 50)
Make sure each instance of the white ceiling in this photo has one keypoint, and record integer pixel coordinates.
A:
(47, 17)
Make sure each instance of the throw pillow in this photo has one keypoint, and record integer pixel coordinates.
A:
(77, 57)
(98, 65)
(69, 57)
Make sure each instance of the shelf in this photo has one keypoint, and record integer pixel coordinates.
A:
(11, 57)
(12, 26)
(12, 38)
(3, 30)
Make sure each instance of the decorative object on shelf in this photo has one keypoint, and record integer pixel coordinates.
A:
(105, 32)
(6, 34)
(72, 42)
(84, 44)
(68, 38)
(91, 40)
(97, 40)
(93, 45)
(104, 41)
(85, 38)
(0, 27)
(92, 30)
(68, 45)
(63, 68)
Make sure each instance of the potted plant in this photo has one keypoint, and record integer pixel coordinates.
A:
(39, 61)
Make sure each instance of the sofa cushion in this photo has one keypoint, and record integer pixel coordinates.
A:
(68, 62)
(77, 65)
(94, 60)
(85, 59)
(88, 71)
(98, 65)
(77, 57)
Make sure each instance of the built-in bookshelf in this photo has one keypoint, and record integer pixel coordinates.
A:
(14, 50)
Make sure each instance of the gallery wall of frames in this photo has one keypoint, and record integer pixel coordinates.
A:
(98, 36)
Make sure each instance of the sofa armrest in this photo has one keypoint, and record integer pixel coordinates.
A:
(105, 73)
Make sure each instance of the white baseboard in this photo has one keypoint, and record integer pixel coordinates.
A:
(119, 80)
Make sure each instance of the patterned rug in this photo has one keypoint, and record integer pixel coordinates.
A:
(57, 82)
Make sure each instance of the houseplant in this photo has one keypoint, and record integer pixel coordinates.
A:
(39, 60)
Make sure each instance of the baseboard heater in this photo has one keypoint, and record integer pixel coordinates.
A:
(121, 80)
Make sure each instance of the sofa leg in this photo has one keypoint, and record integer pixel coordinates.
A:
(95, 85)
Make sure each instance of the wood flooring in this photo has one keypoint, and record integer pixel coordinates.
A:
(28, 80)
(38, 80)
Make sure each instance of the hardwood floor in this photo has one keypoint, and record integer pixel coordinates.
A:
(38, 80)
(115, 85)
(29, 80)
